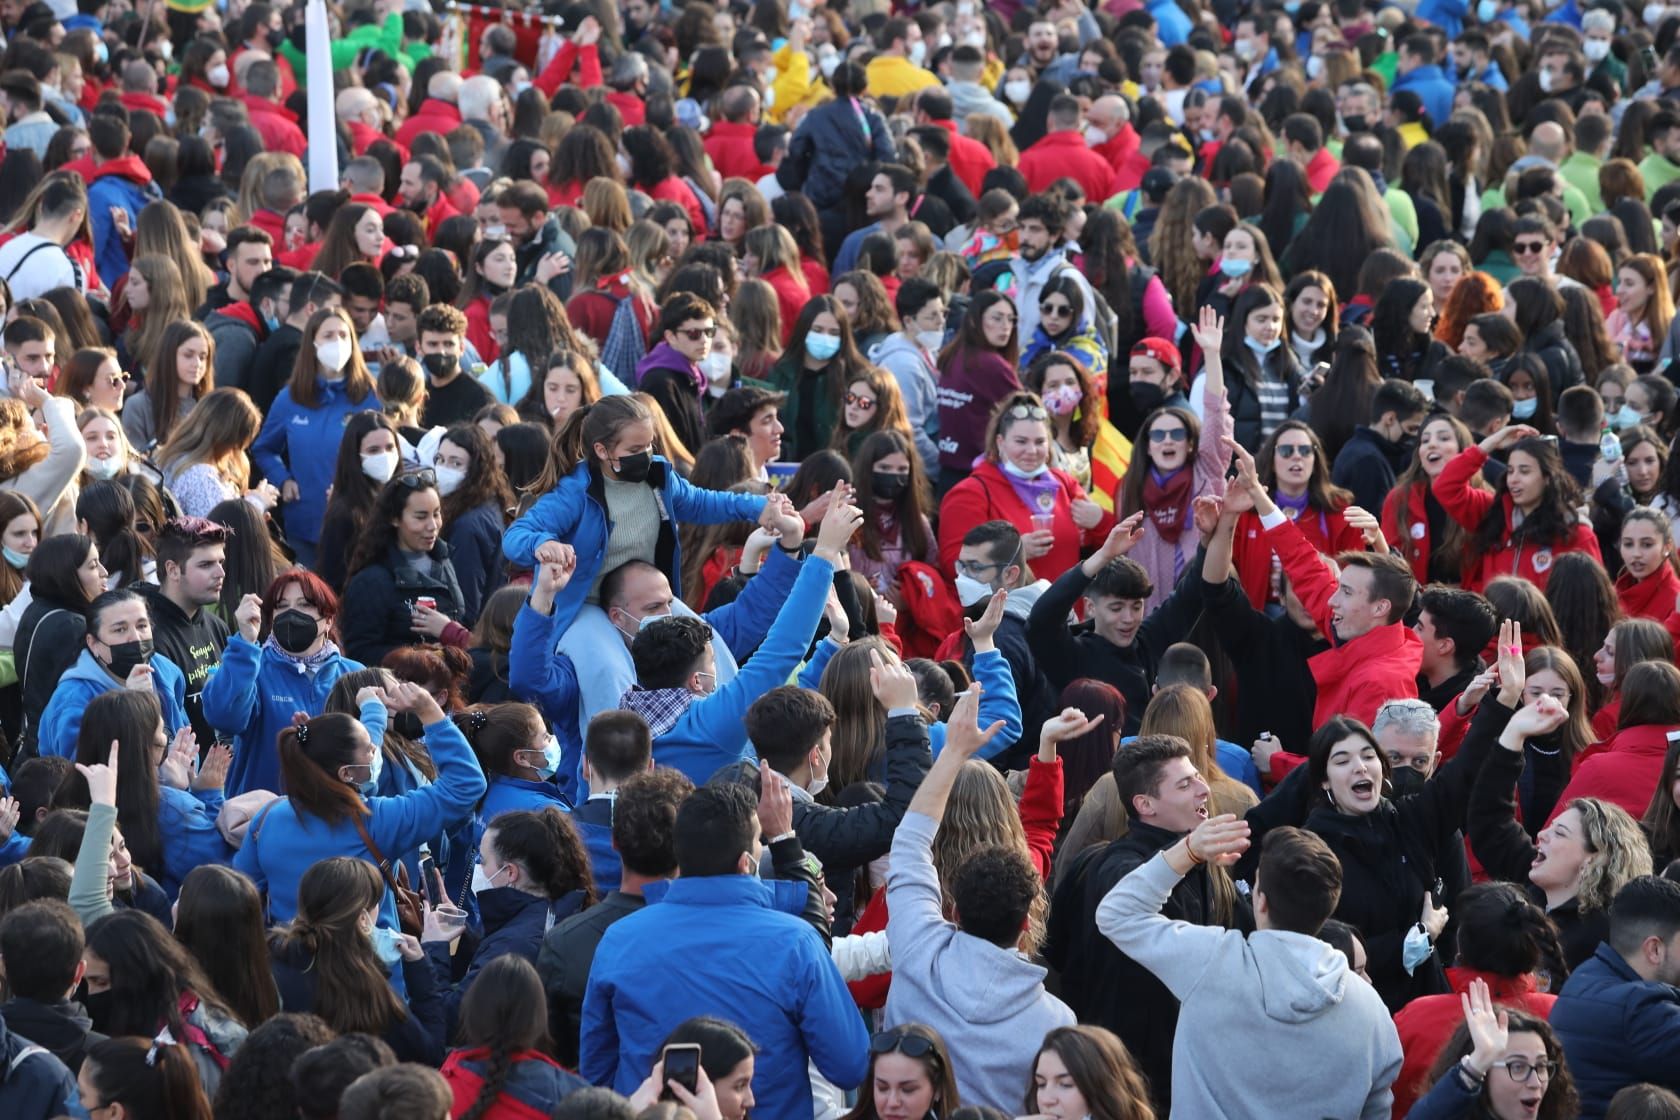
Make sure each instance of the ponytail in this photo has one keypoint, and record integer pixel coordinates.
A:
(311, 753)
(548, 845)
(153, 1079)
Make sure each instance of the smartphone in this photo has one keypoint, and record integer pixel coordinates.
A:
(428, 877)
(682, 1065)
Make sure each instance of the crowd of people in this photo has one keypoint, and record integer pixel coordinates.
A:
(817, 559)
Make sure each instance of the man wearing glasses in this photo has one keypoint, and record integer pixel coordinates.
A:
(991, 561)
(671, 370)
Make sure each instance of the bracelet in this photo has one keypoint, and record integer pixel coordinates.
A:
(1195, 859)
(1472, 1079)
(788, 835)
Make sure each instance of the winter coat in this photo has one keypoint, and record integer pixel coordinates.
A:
(1563, 362)
(1272, 657)
(670, 379)
(300, 445)
(187, 826)
(1065, 155)
(50, 636)
(475, 552)
(1470, 507)
(987, 495)
(912, 367)
(564, 961)
(971, 382)
(51, 483)
(514, 923)
(87, 678)
(1242, 371)
(253, 696)
(830, 141)
(1617, 1030)
(416, 1037)
(34, 1084)
(1368, 464)
(63, 1027)
(122, 184)
(379, 600)
(1327, 531)
(237, 331)
(534, 1083)
(1625, 771)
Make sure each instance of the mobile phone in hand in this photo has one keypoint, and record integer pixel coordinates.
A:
(682, 1065)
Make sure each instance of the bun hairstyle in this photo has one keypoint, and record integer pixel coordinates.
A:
(1502, 932)
(311, 753)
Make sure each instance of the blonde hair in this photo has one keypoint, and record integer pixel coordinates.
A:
(648, 244)
(992, 132)
(666, 442)
(982, 813)
(217, 432)
(1608, 831)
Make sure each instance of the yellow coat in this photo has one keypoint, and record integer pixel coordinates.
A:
(792, 84)
(891, 76)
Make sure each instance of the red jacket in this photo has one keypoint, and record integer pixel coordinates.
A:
(730, 144)
(1121, 152)
(1426, 1023)
(632, 108)
(1320, 169)
(1064, 155)
(478, 331)
(441, 117)
(970, 159)
(1469, 507)
(1653, 597)
(1624, 772)
(363, 137)
(1251, 554)
(440, 211)
(1358, 676)
(673, 189)
(587, 60)
(1408, 529)
(134, 102)
(792, 294)
(816, 276)
(277, 125)
(273, 223)
(592, 312)
(569, 193)
(380, 206)
(987, 495)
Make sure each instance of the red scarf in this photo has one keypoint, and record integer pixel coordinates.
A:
(1168, 501)
(1652, 597)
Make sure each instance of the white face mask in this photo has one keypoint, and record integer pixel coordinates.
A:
(1654, 14)
(218, 76)
(930, 340)
(105, 469)
(449, 479)
(971, 591)
(380, 466)
(333, 353)
(1596, 49)
(1094, 136)
(918, 51)
(718, 367)
(1546, 81)
(1018, 90)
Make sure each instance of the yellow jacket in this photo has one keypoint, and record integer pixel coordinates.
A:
(891, 76)
(792, 84)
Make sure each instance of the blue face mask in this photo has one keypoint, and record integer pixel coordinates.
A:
(1235, 267)
(387, 946)
(822, 347)
(15, 558)
(1524, 410)
(272, 322)
(1263, 348)
(371, 785)
(1625, 417)
(551, 757)
(1487, 10)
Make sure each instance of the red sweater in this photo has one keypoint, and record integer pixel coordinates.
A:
(1426, 1023)
(816, 279)
(363, 137)
(987, 495)
(479, 333)
(673, 189)
(1064, 154)
(1251, 555)
(970, 159)
(730, 144)
(1469, 507)
(632, 108)
(587, 61)
(792, 294)
(1624, 772)
(592, 312)
(277, 125)
(1408, 529)
(441, 117)
(1654, 597)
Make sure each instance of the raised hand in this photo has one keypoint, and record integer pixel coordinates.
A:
(1508, 436)
(10, 814)
(775, 803)
(1489, 1027)
(1510, 667)
(1070, 723)
(894, 684)
(1122, 538)
(1220, 840)
(553, 577)
(139, 678)
(964, 733)
(213, 773)
(553, 552)
(1367, 524)
(248, 617)
(981, 630)
(101, 779)
(1209, 330)
(176, 770)
(838, 524)
(1542, 717)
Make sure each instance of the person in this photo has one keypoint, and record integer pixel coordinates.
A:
(369, 455)
(1618, 1015)
(644, 816)
(39, 259)
(203, 462)
(191, 568)
(1644, 311)
(1534, 1079)
(831, 141)
(500, 1052)
(258, 688)
(818, 366)
(43, 470)
(402, 586)
(476, 504)
(1413, 520)
(143, 1078)
(276, 358)
(656, 967)
(1164, 798)
(328, 764)
(1624, 770)
(65, 576)
(1185, 459)
(1016, 482)
(1086, 444)
(452, 395)
(897, 532)
(219, 918)
(1086, 1071)
(976, 371)
(299, 442)
(1231, 984)
(1523, 525)
(331, 959)
(120, 624)
(1372, 459)
(909, 355)
(670, 373)
(41, 946)
(910, 1074)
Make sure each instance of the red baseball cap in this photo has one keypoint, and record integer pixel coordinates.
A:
(1159, 349)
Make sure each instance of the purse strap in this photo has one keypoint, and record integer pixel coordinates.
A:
(380, 861)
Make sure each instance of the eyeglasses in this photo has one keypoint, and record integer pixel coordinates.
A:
(1056, 309)
(418, 480)
(695, 334)
(999, 320)
(1027, 412)
(860, 402)
(1525, 248)
(1168, 435)
(1294, 451)
(1519, 1069)
(910, 1045)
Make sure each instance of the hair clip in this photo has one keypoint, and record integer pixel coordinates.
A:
(477, 720)
(164, 1038)
(302, 734)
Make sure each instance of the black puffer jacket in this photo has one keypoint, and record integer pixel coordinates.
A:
(378, 604)
(1563, 363)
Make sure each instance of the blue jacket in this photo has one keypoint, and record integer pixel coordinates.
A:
(301, 445)
(87, 678)
(1617, 1030)
(475, 550)
(534, 1080)
(575, 512)
(593, 820)
(36, 1087)
(113, 188)
(733, 947)
(187, 824)
(539, 675)
(252, 696)
(1448, 15)
(709, 734)
(282, 842)
(455, 848)
(1435, 89)
(514, 922)
(509, 795)
(1172, 26)
(830, 141)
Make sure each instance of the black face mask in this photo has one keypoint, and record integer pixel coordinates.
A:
(438, 366)
(98, 1006)
(1405, 781)
(1356, 123)
(887, 484)
(635, 468)
(275, 38)
(126, 655)
(1146, 397)
(295, 631)
(408, 725)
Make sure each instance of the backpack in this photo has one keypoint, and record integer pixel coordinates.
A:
(626, 345)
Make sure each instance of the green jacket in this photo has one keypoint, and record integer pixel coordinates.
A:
(811, 410)
(1499, 265)
(1580, 171)
(387, 37)
(1658, 173)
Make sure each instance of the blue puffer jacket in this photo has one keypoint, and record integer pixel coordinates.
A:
(733, 947)
(830, 141)
(37, 1086)
(301, 445)
(1617, 1029)
(124, 184)
(594, 823)
(187, 823)
(284, 842)
(575, 512)
(252, 696)
(87, 678)
(514, 922)
(475, 551)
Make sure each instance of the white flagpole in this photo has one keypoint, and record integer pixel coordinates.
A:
(323, 143)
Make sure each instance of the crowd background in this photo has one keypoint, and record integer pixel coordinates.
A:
(840, 560)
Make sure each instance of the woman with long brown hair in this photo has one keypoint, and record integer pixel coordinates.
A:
(1413, 522)
(756, 315)
(1086, 1073)
(897, 500)
(477, 504)
(177, 377)
(154, 298)
(910, 1074)
(204, 461)
(1172, 248)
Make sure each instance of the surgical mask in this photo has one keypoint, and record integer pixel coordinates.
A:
(126, 655)
(272, 322)
(1263, 348)
(1595, 49)
(15, 558)
(930, 340)
(641, 623)
(218, 76)
(1653, 15)
(623, 162)
(1062, 400)
(105, 469)
(827, 64)
(1487, 10)
(333, 353)
(375, 768)
(1207, 136)
(101, 53)
(449, 479)
(1018, 90)
(1315, 68)
(822, 346)
(1524, 410)
(1244, 49)
(769, 97)
(387, 946)
(482, 882)
(1095, 136)
(381, 466)
(551, 758)
(635, 468)
(887, 484)
(918, 52)
(976, 39)
(971, 591)
(495, 233)
(1010, 468)
(1606, 679)
(166, 50)
(718, 367)
(520, 87)
(1546, 81)
(295, 631)
(1625, 417)
(1235, 267)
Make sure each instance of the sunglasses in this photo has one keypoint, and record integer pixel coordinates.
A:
(695, 334)
(1294, 451)
(117, 380)
(418, 480)
(1056, 309)
(860, 402)
(910, 1045)
(1168, 435)
(1027, 412)
(1524, 248)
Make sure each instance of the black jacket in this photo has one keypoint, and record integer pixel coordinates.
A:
(50, 637)
(1067, 654)
(1275, 688)
(1563, 363)
(1368, 464)
(271, 368)
(1038, 698)
(377, 616)
(195, 646)
(1101, 984)
(62, 1027)
(563, 962)
(846, 839)
(416, 1037)
(1242, 373)
(514, 924)
(475, 552)
(953, 192)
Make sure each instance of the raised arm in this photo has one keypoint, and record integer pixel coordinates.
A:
(1464, 503)
(1303, 564)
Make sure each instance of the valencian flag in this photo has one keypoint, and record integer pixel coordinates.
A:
(527, 28)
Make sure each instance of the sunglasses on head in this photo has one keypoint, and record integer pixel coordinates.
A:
(1027, 412)
(859, 402)
(1168, 435)
(1525, 248)
(1294, 451)
(418, 480)
(910, 1045)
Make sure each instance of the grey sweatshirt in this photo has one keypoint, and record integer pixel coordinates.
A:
(1322, 1044)
(988, 1003)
